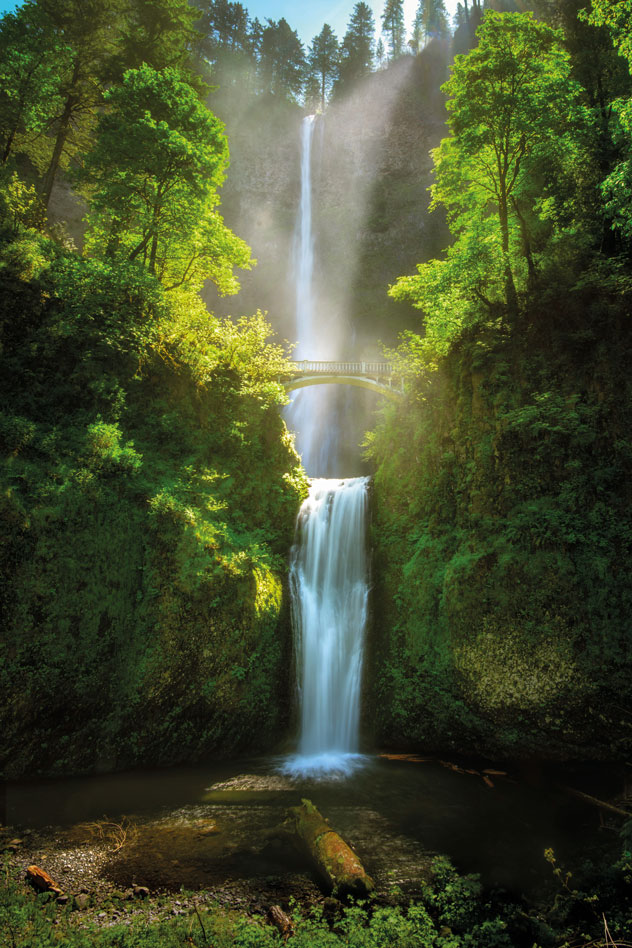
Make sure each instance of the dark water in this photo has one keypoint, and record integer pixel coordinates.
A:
(210, 825)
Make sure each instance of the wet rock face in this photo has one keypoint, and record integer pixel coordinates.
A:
(371, 170)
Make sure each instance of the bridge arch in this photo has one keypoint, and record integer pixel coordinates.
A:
(375, 376)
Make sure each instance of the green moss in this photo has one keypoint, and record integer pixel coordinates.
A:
(502, 528)
(148, 494)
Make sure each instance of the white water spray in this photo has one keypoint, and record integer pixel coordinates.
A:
(310, 413)
(329, 582)
(329, 570)
(305, 247)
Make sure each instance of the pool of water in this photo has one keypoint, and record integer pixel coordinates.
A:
(215, 825)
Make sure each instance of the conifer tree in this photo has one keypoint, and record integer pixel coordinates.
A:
(323, 60)
(357, 52)
(283, 63)
(393, 27)
(380, 54)
(431, 22)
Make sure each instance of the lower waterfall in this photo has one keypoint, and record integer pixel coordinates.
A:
(330, 590)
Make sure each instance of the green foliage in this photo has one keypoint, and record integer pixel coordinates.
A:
(158, 159)
(451, 911)
(501, 526)
(501, 175)
(357, 51)
(32, 63)
(322, 63)
(149, 490)
(431, 21)
(282, 60)
(393, 27)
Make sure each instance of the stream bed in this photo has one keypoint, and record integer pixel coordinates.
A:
(212, 827)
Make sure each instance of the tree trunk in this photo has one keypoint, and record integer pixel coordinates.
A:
(9, 144)
(62, 136)
(526, 246)
(510, 287)
(334, 859)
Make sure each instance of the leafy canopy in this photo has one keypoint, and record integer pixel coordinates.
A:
(512, 106)
(158, 159)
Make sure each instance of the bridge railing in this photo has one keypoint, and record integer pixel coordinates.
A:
(343, 368)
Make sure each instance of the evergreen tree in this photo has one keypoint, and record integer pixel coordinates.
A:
(160, 33)
(393, 27)
(357, 53)
(380, 54)
(283, 64)
(224, 26)
(431, 21)
(322, 62)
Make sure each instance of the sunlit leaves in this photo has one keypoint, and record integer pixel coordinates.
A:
(157, 162)
(513, 120)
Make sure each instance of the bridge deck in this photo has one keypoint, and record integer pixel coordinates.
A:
(379, 369)
(376, 376)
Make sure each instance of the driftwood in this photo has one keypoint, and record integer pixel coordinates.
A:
(335, 860)
(41, 880)
(594, 801)
(281, 921)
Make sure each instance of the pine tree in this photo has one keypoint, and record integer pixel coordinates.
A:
(380, 54)
(431, 22)
(283, 64)
(393, 27)
(357, 52)
(323, 60)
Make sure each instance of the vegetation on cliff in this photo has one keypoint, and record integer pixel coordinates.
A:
(502, 489)
(149, 485)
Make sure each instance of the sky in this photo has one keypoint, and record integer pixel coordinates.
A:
(308, 16)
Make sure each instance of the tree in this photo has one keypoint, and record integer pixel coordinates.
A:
(380, 54)
(157, 162)
(32, 62)
(91, 30)
(512, 106)
(431, 21)
(393, 27)
(223, 26)
(159, 33)
(282, 60)
(617, 186)
(357, 52)
(322, 62)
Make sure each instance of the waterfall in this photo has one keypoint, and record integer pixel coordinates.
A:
(305, 247)
(309, 414)
(329, 568)
(329, 584)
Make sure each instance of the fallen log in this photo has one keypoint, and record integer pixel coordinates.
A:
(601, 804)
(334, 859)
(281, 921)
(41, 880)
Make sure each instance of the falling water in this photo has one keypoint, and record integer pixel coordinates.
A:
(329, 582)
(329, 570)
(305, 246)
(309, 414)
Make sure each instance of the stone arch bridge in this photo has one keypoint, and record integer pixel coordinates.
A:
(376, 376)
